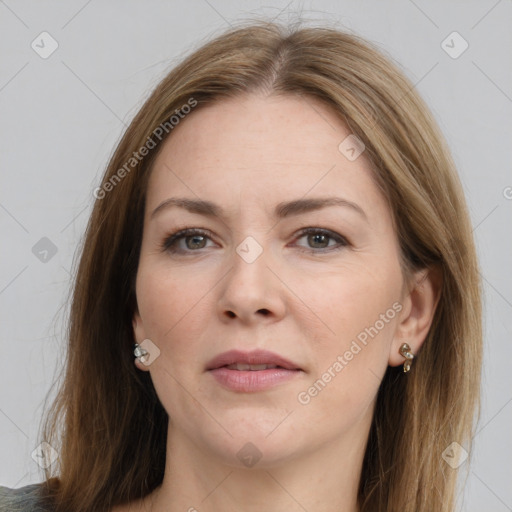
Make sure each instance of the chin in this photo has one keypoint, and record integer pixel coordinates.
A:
(252, 446)
(253, 454)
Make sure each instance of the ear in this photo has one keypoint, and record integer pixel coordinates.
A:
(139, 335)
(419, 305)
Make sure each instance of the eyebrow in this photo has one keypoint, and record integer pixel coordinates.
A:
(282, 210)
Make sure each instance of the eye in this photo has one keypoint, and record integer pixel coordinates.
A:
(194, 239)
(319, 239)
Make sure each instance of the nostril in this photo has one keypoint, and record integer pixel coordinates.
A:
(265, 312)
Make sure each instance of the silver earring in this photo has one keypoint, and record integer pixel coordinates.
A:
(139, 352)
(405, 350)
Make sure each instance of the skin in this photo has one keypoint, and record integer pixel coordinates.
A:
(247, 155)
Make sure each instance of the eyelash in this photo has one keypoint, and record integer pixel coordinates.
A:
(169, 242)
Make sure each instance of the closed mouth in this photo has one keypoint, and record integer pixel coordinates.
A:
(256, 360)
(251, 367)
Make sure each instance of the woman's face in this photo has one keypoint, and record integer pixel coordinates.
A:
(328, 301)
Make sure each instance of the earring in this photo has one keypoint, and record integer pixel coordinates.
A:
(405, 350)
(139, 352)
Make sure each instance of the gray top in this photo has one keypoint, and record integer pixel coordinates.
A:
(23, 499)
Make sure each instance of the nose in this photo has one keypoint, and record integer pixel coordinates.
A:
(251, 290)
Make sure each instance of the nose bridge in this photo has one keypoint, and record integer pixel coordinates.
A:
(251, 286)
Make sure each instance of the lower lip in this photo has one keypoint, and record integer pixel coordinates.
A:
(253, 380)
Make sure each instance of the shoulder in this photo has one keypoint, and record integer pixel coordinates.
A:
(23, 499)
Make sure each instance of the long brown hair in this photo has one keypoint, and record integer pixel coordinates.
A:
(106, 421)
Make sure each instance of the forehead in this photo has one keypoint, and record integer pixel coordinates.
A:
(238, 129)
(264, 148)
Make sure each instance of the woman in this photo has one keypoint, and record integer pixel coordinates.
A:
(282, 234)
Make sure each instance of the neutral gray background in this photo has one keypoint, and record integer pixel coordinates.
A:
(62, 116)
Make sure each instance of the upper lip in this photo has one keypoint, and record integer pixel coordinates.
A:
(253, 357)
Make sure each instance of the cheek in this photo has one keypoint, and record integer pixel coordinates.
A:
(349, 299)
(357, 313)
(167, 299)
(350, 362)
(336, 407)
(172, 305)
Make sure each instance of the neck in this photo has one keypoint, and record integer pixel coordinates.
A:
(325, 479)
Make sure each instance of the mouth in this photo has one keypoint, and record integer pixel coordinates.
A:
(251, 367)
(250, 372)
(257, 360)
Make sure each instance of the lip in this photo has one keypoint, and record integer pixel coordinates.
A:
(250, 381)
(253, 357)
